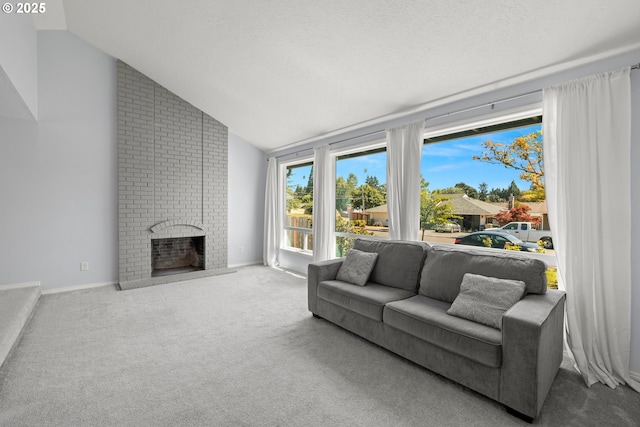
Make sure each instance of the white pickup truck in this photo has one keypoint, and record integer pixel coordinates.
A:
(527, 232)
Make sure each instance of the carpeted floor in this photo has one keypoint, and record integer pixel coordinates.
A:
(242, 350)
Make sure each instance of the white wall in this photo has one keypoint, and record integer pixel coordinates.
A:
(58, 177)
(18, 66)
(247, 171)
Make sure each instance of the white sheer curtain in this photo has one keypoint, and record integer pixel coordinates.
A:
(322, 204)
(586, 125)
(404, 149)
(272, 223)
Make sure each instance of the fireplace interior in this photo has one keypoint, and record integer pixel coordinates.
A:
(177, 255)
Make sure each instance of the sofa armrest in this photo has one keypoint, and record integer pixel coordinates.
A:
(318, 272)
(532, 345)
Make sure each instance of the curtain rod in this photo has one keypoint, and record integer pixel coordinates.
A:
(464, 110)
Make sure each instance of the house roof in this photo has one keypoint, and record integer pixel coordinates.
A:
(461, 203)
(465, 205)
(288, 73)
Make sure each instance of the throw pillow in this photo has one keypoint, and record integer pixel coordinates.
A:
(485, 299)
(357, 266)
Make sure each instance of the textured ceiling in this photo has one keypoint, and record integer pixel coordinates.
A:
(279, 72)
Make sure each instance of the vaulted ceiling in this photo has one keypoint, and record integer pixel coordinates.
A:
(278, 72)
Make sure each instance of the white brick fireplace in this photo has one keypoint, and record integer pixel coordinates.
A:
(172, 169)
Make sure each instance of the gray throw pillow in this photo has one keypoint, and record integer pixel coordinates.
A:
(357, 266)
(485, 299)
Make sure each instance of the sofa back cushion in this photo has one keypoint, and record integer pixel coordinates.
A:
(445, 267)
(399, 262)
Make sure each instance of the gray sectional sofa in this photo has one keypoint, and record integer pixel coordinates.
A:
(406, 305)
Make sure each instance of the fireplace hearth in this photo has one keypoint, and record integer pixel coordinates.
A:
(177, 255)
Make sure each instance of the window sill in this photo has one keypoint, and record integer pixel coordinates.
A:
(298, 251)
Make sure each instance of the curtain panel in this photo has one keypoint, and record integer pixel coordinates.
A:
(322, 204)
(272, 222)
(404, 148)
(586, 135)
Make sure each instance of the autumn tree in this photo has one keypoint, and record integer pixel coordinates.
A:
(523, 154)
(518, 213)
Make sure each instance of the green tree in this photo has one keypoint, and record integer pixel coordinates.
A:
(513, 189)
(372, 197)
(372, 181)
(482, 191)
(503, 194)
(307, 201)
(292, 201)
(468, 190)
(309, 188)
(300, 192)
(434, 209)
(344, 190)
(449, 190)
(495, 195)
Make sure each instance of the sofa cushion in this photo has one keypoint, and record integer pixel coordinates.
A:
(399, 262)
(365, 300)
(357, 267)
(485, 299)
(445, 266)
(427, 319)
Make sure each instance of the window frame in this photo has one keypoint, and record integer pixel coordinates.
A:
(440, 132)
(298, 162)
(352, 151)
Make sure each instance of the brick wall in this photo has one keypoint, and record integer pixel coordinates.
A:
(172, 169)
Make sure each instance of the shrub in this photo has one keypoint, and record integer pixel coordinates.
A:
(552, 278)
(512, 247)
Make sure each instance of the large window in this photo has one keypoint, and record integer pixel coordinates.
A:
(361, 197)
(482, 178)
(298, 228)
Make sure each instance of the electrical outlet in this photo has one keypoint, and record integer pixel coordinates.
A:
(84, 266)
(241, 249)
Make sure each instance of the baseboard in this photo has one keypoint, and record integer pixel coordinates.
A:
(246, 264)
(20, 285)
(634, 375)
(78, 287)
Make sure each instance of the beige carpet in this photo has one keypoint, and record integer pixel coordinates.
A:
(242, 350)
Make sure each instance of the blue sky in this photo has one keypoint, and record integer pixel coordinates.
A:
(446, 163)
(443, 164)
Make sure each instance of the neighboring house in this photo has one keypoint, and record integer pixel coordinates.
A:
(475, 214)
(379, 214)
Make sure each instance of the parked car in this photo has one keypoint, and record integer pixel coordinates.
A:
(499, 239)
(450, 227)
(527, 231)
